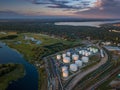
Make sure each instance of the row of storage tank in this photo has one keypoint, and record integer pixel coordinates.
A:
(73, 67)
(85, 53)
(66, 57)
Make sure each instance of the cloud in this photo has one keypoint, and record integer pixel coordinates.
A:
(71, 4)
(9, 14)
(105, 8)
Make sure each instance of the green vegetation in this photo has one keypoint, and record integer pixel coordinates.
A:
(50, 36)
(9, 37)
(8, 73)
(35, 53)
(94, 60)
(66, 32)
(99, 74)
(105, 85)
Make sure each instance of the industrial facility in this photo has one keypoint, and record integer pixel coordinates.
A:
(73, 60)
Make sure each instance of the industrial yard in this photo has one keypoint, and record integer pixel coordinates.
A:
(72, 61)
(65, 65)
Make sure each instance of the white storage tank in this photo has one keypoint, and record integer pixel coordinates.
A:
(86, 54)
(63, 55)
(66, 59)
(58, 57)
(73, 67)
(85, 59)
(68, 53)
(88, 49)
(64, 68)
(83, 52)
(65, 74)
(78, 63)
(75, 57)
(96, 50)
(80, 52)
(89, 53)
(91, 49)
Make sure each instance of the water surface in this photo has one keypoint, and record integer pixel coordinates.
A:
(90, 23)
(30, 80)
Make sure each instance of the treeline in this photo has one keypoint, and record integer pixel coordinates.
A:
(6, 68)
(40, 52)
(65, 32)
(43, 51)
(8, 37)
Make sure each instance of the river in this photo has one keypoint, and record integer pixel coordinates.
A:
(90, 23)
(30, 80)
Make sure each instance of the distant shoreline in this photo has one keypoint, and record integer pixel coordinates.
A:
(88, 23)
(53, 20)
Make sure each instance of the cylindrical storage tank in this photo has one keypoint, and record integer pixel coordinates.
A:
(80, 52)
(78, 63)
(58, 57)
(75, 57)
(88, 49)
(91, 49)
(86, 54)
(85, 59)
(73, 67)
(66, 59)
(65, 74)
(68, 53)
(64, 68)
(83, 52)
(63, 55)
(89, 53)
(94, 51)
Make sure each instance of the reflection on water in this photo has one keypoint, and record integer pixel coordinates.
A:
(30, 80)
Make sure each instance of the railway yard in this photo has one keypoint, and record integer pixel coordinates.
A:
(80, 68)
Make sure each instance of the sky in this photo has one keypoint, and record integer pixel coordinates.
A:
(60, 8)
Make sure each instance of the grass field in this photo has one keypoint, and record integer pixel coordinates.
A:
(27, 49)
(15, 74)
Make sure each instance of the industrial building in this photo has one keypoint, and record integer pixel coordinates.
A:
(72, 60)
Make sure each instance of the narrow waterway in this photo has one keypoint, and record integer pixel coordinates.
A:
(30, 80)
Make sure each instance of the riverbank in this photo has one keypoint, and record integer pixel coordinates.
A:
(11, 75)
(34, 53)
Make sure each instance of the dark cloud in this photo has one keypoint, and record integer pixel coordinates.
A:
(108, 8)
(110, 3)
(73, 4)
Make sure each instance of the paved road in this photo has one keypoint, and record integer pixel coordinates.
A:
(75, 80)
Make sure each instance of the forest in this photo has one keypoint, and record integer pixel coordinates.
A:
(65, 32)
